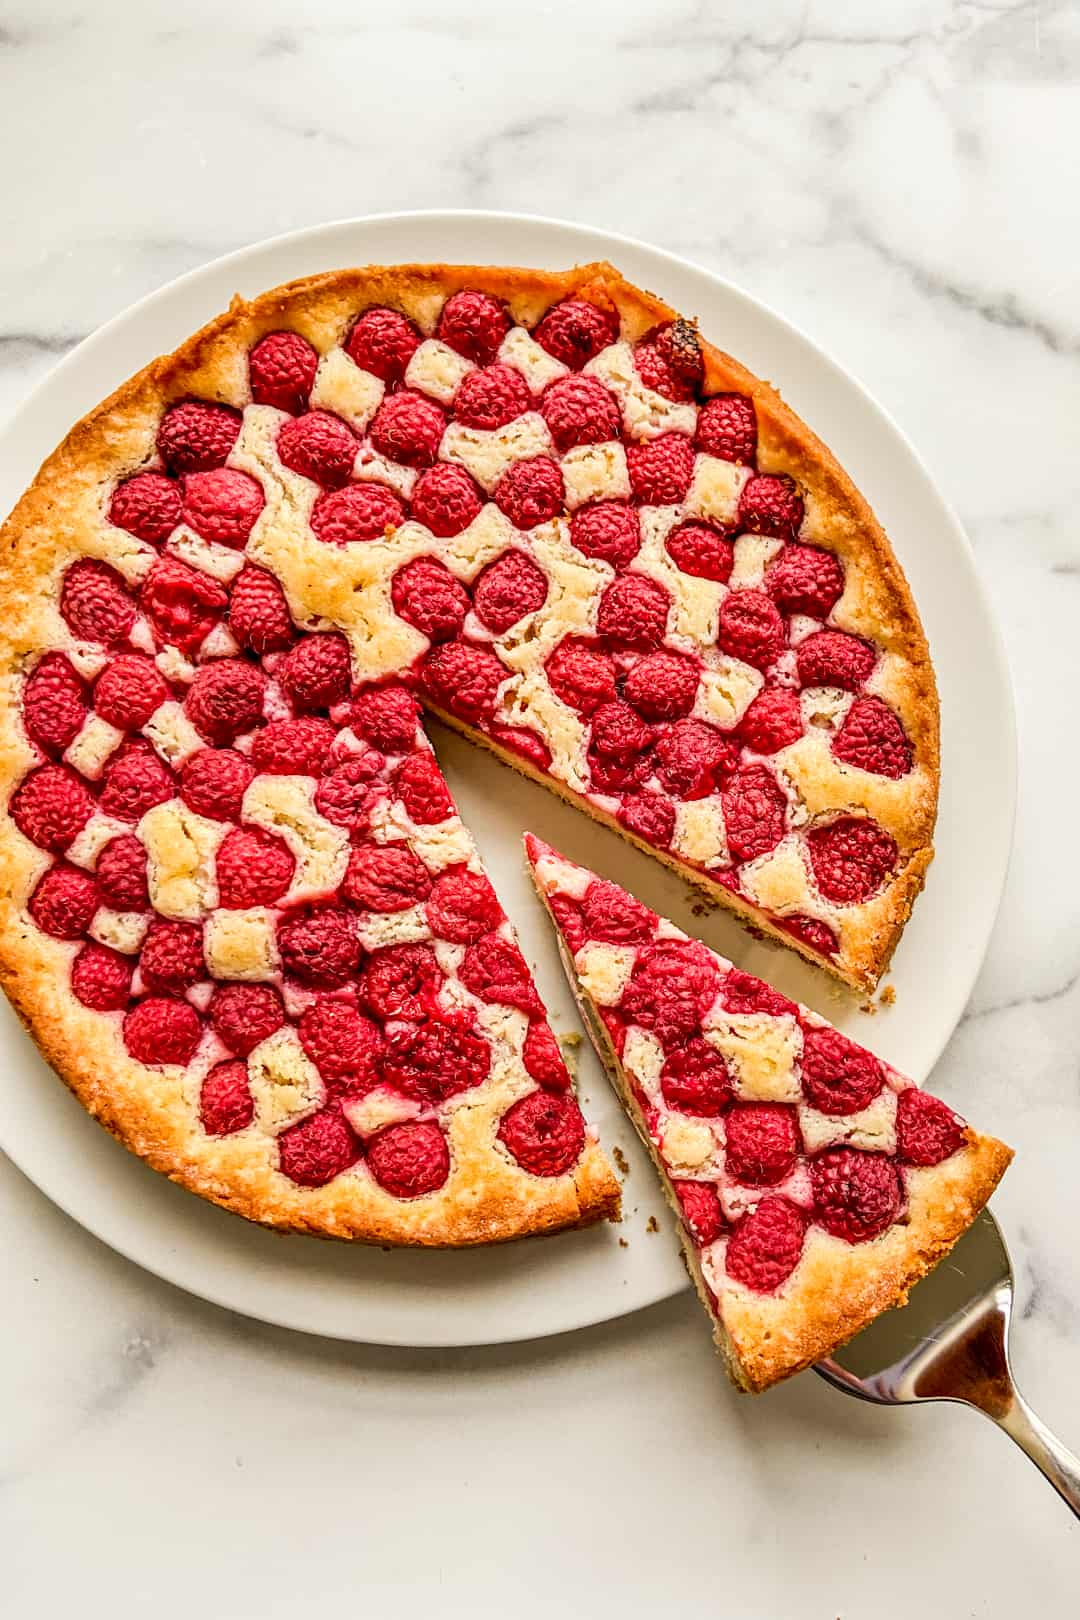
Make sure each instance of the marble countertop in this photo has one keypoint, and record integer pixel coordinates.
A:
(894, 179)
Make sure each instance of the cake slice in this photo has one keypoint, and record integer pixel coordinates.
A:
(813, 1183)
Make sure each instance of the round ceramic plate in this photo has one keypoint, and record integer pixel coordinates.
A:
(545, 1286)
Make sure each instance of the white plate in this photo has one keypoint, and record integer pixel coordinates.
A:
(547, 1286)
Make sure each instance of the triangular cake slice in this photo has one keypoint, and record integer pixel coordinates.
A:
(814, 1184)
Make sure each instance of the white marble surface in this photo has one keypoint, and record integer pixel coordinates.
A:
(896, 179)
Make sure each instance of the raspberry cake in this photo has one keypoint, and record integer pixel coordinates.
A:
(814, 1184)
(576, 531)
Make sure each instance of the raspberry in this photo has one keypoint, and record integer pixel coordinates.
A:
(491, 397)
(661, 469)
(259, 615)
(544, 1132)
(754, 809)
(873, 739)
(692, 758)
(669, 360)
(633, 612)
(856, 1194)
(507, 589)
(608, 531)
(182, 604)
(613, 915)
(319, 446)
(851, 858)
(524, 741)
(434, 1060)
(172, 957)
(121, 874)
(408, 428)
(580, 410)
(570, 919)
(615, 1026)
(741, 993)
(54, 703)
(366, 511)
(101, 978)
(473, 324)
(135, 780)
(254, 868)
(410, 1160)
(751, 628)
(663, 685)
(701, 1210)
(63, 902)
(225, 699)
(463, 679)
(818, 935)
(148, 506)
(762, 1143)
(581, 675)
(445, 500)
(926, 1130)
(727, 427)
(162, 1030)
(831, 658)
(575, 331)
(463, 906)
(672, 986)
(320, 947)
(195, 436)
(318, 671)
(495, 970)
(129, 690)
(701, 551)
(620, 743)
(293, 747)
(772, 721)
(346, 795)
(316, 1150)
(771, 505)
(543, 1059)
(51, 806)
(426, 595)
(242, 1015)
(386, 716)
(94, 603)
(421, 787)
(213, 782)
(383, 342)
(282, 368)
(344, 1046)
(838, 1077)
(225, 1101)
(530, 492)
(385, 877)
(805, 579)
(695, 1079)
(401, 981)
(766, 1246)
(650, 816)
(223, 505)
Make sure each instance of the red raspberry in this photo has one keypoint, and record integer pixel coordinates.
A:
(580, 410)
(463, 679)
(695, 1079)
(771, 505)
(101, 978)
(344, 1046)
(507, 589)
(926, 1130)
(63, 902)
(543, 1059)
(318, 671)
(282, 368)
(851, 858)
(242, 1015)
(751, 628)
(818, 935)
(608, 531)
(95, 604)
(772, 721)
(385, 877)
(544, 1133)
(701, 551)
(51, 806)
(410, 1160)
(727, 427)
(225, 1101)
(669, 360)
(366, 511)
(259, 615)
(346, 795)
(570, 919)
(293, 747)
(805, 579)
(401, 981)
(495, 970)
(463, 906)
(129, 690)
(766, 1246)
(135, 780)
(831, 658)
(620, 744)
(182, 604)
(473, 324)
(575, 331)
(316, 1150)
(426, 595)
(524, 741)
(530, 492)
(319, 446)
(172, 957)
(650, 816)
(213, 783)
(692, 758)
(613, 915)
(755, 810)
(741, 993)
(434, 1060)
(838, 1077)
(856, 1195)
(408, 428)
(701, 1210)
(254, 868)
(491, 397)
(672, 987)
(162, 1030)
(226, 699)
(54, 703)
(320, 947)
(195, 436)
(633, 612)
(421, 787)
(445, 500)
(121, 874)
(386, 716)
(663, 685)
(661, 469)
(148, 506)
(873, 739)
(581, 675)
(383, 341)
(762, 1143)
(223, 505)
